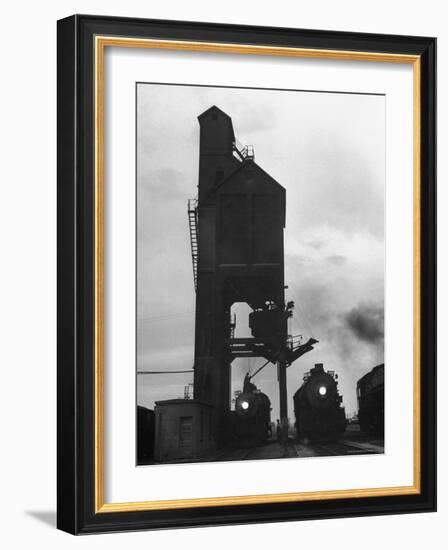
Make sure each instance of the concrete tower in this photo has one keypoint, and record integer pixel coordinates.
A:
(240, 218)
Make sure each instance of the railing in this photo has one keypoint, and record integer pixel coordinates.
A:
(248, 152)
(244, 152)
(295, 341)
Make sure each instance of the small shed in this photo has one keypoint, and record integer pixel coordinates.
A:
(145, 435)
(184, 430)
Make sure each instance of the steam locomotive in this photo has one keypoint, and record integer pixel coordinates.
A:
(370, 393)
(251, 423)
(317, 407)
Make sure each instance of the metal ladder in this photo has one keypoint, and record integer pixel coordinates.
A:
(193, 225)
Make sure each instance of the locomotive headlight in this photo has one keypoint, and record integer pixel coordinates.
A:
(244, 405)
(322, 391)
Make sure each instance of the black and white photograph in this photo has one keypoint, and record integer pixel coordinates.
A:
(246, 274)
(260, 273)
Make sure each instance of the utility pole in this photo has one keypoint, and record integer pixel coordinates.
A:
(281, 369)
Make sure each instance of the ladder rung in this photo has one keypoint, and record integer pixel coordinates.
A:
(192, 222)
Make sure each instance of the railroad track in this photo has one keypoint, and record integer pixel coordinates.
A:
(239, 454)
(343, 448)
(300, 449)
(338, 448)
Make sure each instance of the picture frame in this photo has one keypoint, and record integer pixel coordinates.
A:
(82, 240)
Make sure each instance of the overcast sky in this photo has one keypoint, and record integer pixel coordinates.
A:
(328, 151)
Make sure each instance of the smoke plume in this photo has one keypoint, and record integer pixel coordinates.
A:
(366, 321)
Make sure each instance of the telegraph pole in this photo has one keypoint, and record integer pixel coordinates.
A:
(281, 367)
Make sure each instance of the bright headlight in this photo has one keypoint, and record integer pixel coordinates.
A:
(244, 405)
(322, 390)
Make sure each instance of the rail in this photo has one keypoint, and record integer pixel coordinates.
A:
(244, 152)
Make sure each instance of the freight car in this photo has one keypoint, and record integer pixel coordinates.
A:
(317, 407)
(145, 435)
(370, 393)
(251, 420)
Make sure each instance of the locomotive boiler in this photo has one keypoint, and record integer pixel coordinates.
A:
(252, 416)
(319, 414)
(370, 393)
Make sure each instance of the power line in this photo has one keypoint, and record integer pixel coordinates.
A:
(165, 316)
(164, 371)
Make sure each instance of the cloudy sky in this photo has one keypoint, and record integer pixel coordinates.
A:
(328, 151)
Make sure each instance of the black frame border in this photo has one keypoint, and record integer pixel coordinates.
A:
(75, 272)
